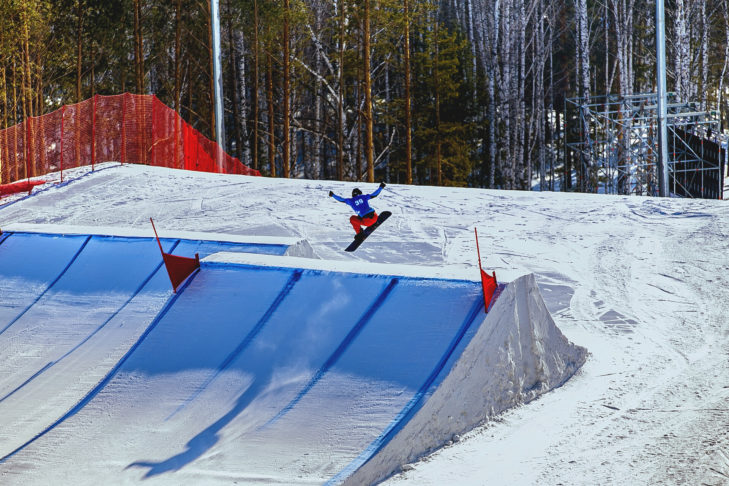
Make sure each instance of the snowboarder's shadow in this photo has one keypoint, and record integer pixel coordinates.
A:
(207, 438)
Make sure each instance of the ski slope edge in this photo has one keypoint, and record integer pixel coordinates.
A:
(517, 354)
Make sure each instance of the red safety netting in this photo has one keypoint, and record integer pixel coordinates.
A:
(20, 186)
(124, 128)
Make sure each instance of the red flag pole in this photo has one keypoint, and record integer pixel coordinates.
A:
(156, 236)
(488, 282)
(478, 250)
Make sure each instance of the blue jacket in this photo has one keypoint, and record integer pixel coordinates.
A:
(360, 204)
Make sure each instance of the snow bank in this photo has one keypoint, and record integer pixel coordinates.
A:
(294, 261)
(517, 355)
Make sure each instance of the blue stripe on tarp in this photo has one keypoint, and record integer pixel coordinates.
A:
(4, 236)
(95, 391)
(73, 259)
(331, 361)
(50, 364)
(413, 405)
(33, 377)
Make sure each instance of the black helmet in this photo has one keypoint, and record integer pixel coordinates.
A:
(356, 192)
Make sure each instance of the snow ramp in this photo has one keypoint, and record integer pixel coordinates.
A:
(284, 370)
(70, 307)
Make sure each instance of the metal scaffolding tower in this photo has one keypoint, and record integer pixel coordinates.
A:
(613, 145)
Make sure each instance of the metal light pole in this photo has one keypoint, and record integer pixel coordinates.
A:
(218, 79)
(662, 99)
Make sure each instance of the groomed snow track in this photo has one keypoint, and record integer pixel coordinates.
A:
(259, 370)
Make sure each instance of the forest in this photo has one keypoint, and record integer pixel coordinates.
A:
(449, 92)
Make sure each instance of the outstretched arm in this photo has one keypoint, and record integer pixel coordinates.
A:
(378, 190)
(336, 198)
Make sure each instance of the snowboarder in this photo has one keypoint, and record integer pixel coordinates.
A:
(366, 216)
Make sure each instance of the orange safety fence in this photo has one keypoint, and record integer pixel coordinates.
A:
(19, 186)
(123, 128)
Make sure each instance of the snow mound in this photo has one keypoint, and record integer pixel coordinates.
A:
(302, 249)
(517, 354)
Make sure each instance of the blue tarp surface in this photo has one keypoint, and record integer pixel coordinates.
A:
(300, 375)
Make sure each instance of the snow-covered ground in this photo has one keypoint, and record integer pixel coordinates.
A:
(640, 282)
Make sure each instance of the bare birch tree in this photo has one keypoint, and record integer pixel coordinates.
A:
(682, 51)
(587, 176)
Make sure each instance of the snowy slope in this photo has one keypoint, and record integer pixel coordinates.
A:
(639, 282)
(246, 372)
(290, 368)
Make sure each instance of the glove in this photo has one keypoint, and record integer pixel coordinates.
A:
(331, 193)
(382, 184)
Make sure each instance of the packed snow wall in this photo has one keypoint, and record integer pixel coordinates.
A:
(517, 354)
(281, 370)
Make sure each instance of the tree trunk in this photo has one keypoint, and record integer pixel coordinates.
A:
(369, 142)
(39, 83)
(436, 74)
(358, 155)
(493, 36)
(551, 109)
(682, 52)
(27, 97)
(27, 74)
(237, 71)
(139, 48)
(539, 112)
(722, 113)
(211, 87)
(238, 80)
(473, 41)
(340, 96)
(178, 57)
(5, 150)
(271, 125)
(92, 81)
(39, 110)
(408, 121)
(79, 47)
(319, 94)
(507, 85)
(15, 117)
(286, 115)
(5, 98)
(704, 56)
(254, 96)
(520, 126)
(585, 174)
(623, 15)
(178, 82)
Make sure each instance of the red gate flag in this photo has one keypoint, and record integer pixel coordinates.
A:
(488, 282)
(178, 267)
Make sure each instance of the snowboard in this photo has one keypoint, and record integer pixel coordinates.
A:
(368, 231)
